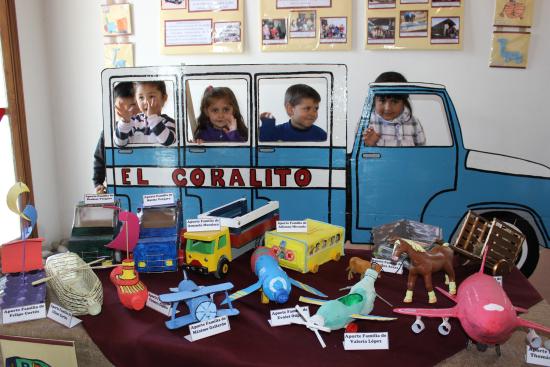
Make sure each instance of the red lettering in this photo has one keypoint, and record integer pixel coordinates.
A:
(282, 173)
(236, 178)
(140, 179)
(268, 180)
(253, 181)
(302, 177)
(178, 176)
(216, 177)
(197, 177)
(125, 173)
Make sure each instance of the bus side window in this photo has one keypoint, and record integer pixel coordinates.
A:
(317, 246)
(324, 243)
(338, 237)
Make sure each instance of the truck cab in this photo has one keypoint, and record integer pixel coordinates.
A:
(208, 252)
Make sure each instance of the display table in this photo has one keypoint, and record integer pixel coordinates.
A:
(130, 338)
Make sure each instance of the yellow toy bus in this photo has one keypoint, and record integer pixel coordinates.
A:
(306, 251)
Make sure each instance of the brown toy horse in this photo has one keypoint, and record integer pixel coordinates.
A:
(358, 265)
(425, 263)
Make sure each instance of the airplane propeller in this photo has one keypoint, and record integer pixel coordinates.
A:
(311, 325)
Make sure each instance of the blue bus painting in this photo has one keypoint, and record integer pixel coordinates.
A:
(351, 185)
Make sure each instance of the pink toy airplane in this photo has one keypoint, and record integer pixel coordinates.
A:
(484, 311)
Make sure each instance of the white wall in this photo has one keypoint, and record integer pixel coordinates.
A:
(501, 110)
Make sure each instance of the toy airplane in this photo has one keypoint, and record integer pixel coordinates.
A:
(275, 284)
(484, 311)
(199, 300)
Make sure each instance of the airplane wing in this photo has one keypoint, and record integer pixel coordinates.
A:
(428, 312)
(243, 292)
(372, 317)
(202, 291)
(313, 301)
(533, 325)
(307, 288)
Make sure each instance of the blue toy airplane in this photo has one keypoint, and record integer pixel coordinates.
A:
(199, 300)
(275, 284)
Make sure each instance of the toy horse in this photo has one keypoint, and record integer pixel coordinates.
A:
(357, 265)
(426, 263)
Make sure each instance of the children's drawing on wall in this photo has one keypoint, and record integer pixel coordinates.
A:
(445, 3)
(381, 30)
(518, 13)
(413, 24)
(116, 19)
(227, 32)
(118, 55)
(217, 111)
(445, 30)
(334, 30)
(143, 111)
(172, 4)
(510, 49)
(302, 24)
(274, 31)
(381, 4)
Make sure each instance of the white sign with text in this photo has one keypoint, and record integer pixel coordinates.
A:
(99, 199)
(295, 226)
(166, 198)
(24, 313)
(388, 266)
(62, 316)
(203, 224)
(540, 356)
(154, 302)
(207, 328)
(366, 341)
(285, 316)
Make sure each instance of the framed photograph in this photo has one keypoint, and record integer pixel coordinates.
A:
(334, 30)
(445, 3)
(381, 4)
(302, 24)
(116, 19)
(172, 4)
(381, 30)
(445, 30)
(510, 49)
(274, 31)
(24, 351)
(118, 55)
(227, 32)
(413, 23)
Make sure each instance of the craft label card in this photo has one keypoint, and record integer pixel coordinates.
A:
(24, 313)
(539, 357)
(366, 341)
(207, 328)
(388, 266)
(203, 224)
(294, 226)
(514, 13)
(158, 199)
(286, 316)
(62, 316)
(99, 199)
(154, 302)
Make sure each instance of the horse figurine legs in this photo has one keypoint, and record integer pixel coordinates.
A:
(450, 280)
(411, 280)
(429, 287)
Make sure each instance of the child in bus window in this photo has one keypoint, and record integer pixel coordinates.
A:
(302, 106)
(220, 118)
(392, 123)
(150, 125)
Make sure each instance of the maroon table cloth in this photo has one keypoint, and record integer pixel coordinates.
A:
(140, 338)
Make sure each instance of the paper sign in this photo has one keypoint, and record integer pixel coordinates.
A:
(154, 302)
(207, 328)
(295, 226)
(62, 316)
(540, 356)
(498, 278)
(286, 316)
(365, 341)
(24, 313)
(99, 199)
(158, 199)
(388, 266)
(203, 224)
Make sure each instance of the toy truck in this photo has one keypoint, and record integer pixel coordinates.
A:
(241, 230)
(305, 251)
(158, 244)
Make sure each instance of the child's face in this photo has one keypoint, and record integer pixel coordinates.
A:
(219, 112)
(147, 95)
(388, 107)
(304, 114)
(127, 104)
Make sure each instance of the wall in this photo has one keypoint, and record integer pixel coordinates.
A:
(501, 110)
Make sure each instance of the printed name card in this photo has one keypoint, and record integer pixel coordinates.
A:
(295, 226)
(388, 266)
(158, 199)
(203, 224)
(366, 341)
(207, 328)
(99, 199)
(62, 316)
(286, 316)
(154, 302)
(24, 313)
(540, 356)
(498, 278)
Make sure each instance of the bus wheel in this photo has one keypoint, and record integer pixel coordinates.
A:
(315, 268)
(223, 269)
(337, 256)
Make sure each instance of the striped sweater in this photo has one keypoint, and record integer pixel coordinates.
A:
(144, 129)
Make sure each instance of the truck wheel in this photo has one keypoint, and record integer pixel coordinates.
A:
(223, 269)
(529, 255)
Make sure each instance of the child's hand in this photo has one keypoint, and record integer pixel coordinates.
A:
(371, 137)
(123, 112)
(154, 107)
(266, 115)
(100, 189)
(231, 125)
(199, 141)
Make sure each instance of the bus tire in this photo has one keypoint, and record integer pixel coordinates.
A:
(223, 269)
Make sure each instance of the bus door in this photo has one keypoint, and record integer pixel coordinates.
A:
(214, 173)
(306, 177)
(390, 183)
(143, 162)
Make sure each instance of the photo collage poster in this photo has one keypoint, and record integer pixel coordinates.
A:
(118, 51)
(510, 44)
(414, 24)
(305, 25)
(201, 26)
